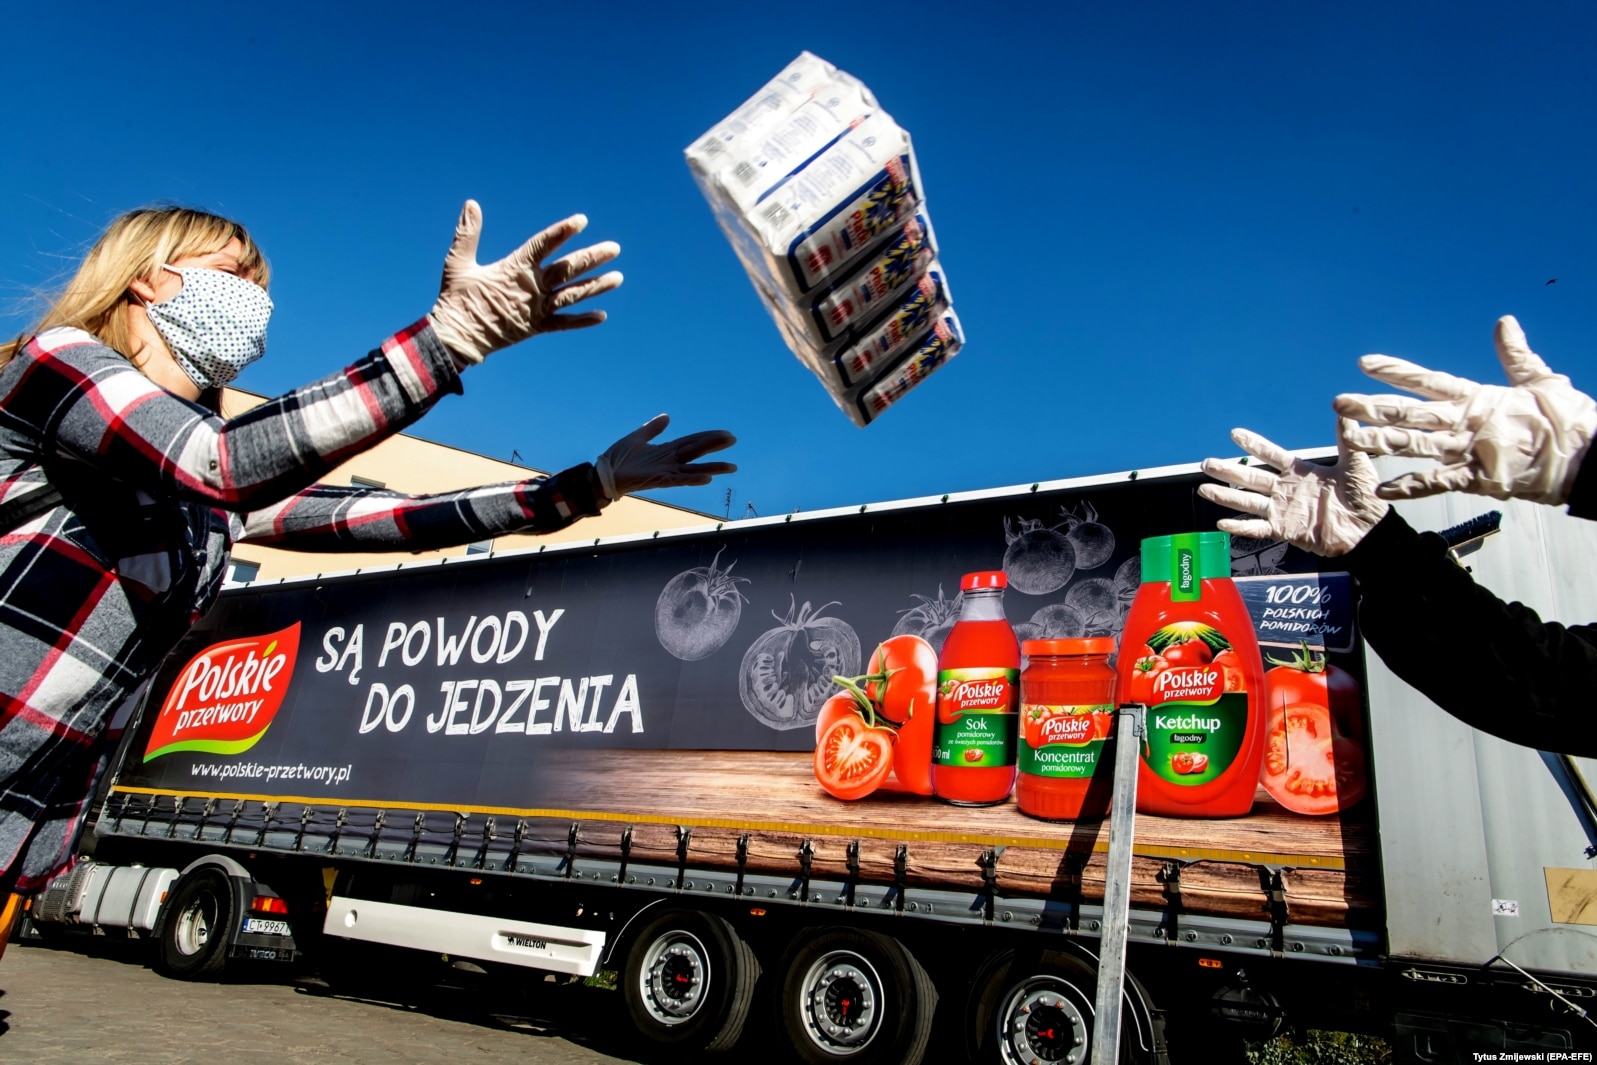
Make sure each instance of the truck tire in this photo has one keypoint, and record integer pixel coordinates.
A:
(689, 982)
(855, 996)
(195, 926)
(1039, 1006)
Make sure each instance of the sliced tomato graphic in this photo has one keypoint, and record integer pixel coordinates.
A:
(1308, 678)
(840, 706)
(1232, 668)
(1308, 768)
(852, 758)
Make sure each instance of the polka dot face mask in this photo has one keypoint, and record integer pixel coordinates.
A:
(215, 326)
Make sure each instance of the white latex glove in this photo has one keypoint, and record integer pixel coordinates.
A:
(1323, 509)
(633, 464)
(482, 309)
(1524, 441)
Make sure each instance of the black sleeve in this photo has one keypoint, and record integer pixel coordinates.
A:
(1495, 666)
(1583, 493)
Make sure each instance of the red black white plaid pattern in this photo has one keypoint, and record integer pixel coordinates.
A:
(333, 518)
(94, 592)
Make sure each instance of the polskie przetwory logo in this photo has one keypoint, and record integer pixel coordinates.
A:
(225, 697)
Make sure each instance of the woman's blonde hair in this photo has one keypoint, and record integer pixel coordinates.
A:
(135, 246)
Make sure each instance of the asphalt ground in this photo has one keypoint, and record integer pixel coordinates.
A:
(96, 1000)
(80, 1000)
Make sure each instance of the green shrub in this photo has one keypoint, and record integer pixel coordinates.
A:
(604, 980)
(1314, 1047)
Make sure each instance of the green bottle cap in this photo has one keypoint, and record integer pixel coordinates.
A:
(1185, 559)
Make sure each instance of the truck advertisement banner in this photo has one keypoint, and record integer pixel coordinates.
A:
(679, 679)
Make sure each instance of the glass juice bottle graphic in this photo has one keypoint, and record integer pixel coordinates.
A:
(978, 672)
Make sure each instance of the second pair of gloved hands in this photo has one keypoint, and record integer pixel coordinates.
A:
(1525, 440)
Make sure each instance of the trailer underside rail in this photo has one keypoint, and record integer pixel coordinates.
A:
(1219, 905)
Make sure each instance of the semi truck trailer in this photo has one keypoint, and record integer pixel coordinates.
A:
(599, 756)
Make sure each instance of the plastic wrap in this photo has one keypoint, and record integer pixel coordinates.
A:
(818, 192)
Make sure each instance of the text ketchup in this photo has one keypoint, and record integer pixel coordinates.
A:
(1067, 707)
(973, 758)
(1190, 654)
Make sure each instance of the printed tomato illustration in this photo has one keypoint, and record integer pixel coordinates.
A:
(1041, 725)
(1031, 719)
(1056, 621)
(1188, 653)
(1063, 725)
(1103, 724)
(1145, 679)
(909, 666)
(1234, 681)
(852, 759)
(930, 619)
(1183, 762)
(1128, 579)
(1308, 767)
(972, 755)
(948, 710)
(225, 697)
(1037, 559)
(1307, 677)
(1198, 760)
(840, 706)
(901, 683)
(1093, 541)
(1188, 643)
(787, 673)
(698, 610)
(1093, 601)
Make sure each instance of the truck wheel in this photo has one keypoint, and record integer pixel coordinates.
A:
(689, 982)
(1040, 1008)
(195, 926)
(855, 995)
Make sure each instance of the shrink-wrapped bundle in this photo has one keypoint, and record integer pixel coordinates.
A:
(817, 189)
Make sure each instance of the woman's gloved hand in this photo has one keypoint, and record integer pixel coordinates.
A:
(1323, 509)
(633, 464)
(1522, 441)
(482, 309)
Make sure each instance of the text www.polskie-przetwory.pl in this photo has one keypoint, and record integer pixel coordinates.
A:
(320, 774)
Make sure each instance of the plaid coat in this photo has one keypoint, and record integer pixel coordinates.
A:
(95, 591)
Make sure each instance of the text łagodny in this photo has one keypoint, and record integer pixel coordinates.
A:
(533, 706)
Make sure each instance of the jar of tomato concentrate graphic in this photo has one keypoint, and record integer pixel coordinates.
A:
(1067, 708)
(1189, 653)
(973, 755)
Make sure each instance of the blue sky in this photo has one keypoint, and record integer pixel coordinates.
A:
(1158, 220)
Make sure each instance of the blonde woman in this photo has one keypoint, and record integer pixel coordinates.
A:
(121, 491)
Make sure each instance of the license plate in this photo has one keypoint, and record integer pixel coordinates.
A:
(260, 926)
